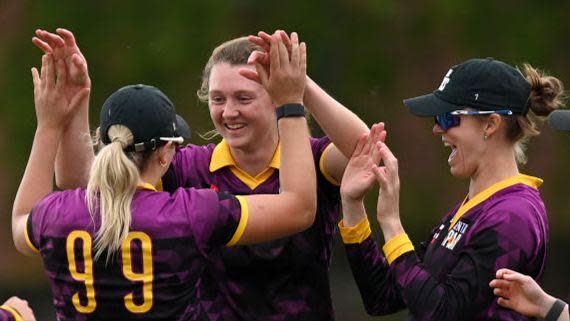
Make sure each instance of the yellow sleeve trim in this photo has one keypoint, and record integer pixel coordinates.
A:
(355, 234)
(242, 221)
(13, 311)
(27, 237)
(329, 178)
(397, 246)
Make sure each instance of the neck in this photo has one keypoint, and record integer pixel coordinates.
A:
(493, 169)
(255, 161)
(151, 175)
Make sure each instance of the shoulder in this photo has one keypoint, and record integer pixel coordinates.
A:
(319, 144)
(195, 153)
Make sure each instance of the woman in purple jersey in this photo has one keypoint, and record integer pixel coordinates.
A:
(286, 279)
(484, 110)
(521, 292)
(154, 243)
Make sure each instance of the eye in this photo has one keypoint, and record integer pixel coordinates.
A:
(245, 99)
(217, 100)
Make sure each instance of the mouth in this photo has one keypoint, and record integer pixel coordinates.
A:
(453, 151)
(234, 127)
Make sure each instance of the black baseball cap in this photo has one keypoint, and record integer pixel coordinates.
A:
(560, 120)
(147, 113)
(481, 84)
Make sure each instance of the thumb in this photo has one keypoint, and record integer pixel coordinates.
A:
(262, 73)
(82, 97)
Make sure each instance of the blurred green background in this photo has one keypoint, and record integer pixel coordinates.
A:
(369, 54)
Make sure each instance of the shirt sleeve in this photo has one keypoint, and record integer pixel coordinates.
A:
(465, 290)
(9, 314)
(184, 171)
(215, 218)
(45, 208)
(321, 147)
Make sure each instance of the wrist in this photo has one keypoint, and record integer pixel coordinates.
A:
(391, 227)
(352, 213)
(290, 110)
(547, 301)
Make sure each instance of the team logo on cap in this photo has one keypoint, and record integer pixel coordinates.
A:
(445, 80)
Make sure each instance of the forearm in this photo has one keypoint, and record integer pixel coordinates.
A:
(75, 153)
(37, 181)
(339, 123)
(297, 170)
(353, 211)
(547, 303)
(376, 285)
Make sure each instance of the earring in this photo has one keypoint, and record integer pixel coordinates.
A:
(163, 163)
(485, 137)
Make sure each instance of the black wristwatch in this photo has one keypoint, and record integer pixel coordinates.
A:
(555, 310)
(290, 110)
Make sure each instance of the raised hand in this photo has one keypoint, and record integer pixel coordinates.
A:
(52, 108)
(286, 77)
(22, 307)
(262, 58)
(521, 293)
(359, 174)
(62, 46)
(388, 207)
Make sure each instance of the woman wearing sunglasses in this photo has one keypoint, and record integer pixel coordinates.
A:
(521, 292)
(484, 112)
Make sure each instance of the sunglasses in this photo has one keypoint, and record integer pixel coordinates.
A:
(451, 119)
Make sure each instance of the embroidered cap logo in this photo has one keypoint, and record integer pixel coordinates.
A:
(445, 80)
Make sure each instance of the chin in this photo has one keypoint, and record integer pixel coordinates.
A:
(458, 173)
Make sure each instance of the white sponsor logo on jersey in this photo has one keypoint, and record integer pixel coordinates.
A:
(454, 235)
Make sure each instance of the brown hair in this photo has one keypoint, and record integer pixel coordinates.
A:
(546, 95)
(234, 52)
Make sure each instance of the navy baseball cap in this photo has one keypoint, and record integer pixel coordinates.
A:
(147, 113)
(560, 120)
(481, 84)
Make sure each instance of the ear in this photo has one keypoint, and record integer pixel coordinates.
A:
(492, 124)
(165, 153)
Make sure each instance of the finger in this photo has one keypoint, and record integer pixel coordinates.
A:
(250, 74)
(505, 303)
(43, 71)
(255, 56)
(303, 58)
(295, 53)
(496, 283)
(52, 39)
(50, 71)
(499, 292)
(381, 177)
(61, 74)
(80, 63)
(36, 79)
(283, 54)
(67, 36)
(259, 41)
(263, 76)
(383, 135)
(266, 37)
(388, 157)
(359, 145)
(274, 63)
(375, 155)
(286, 40)
(514, 276)
(42, 45)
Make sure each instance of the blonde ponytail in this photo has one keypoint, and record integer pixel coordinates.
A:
(112, 184)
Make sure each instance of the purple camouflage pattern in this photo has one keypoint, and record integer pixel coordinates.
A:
(447, 279)
(183, 228)
(287, 279)
(6, 316)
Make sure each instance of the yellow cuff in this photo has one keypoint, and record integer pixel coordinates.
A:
(28, 237)
(329, 178)
(13, 311)
(397, 246)
(355, 234)
(242, 221)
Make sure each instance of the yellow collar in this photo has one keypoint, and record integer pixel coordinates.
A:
(148, 186)
(531, 181)
(222, 157)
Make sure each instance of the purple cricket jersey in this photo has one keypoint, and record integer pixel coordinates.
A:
(9, 314)
(447, 277)
(286, 279)
(152, 276)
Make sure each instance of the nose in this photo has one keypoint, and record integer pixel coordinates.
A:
(437, 129)
(230, 110)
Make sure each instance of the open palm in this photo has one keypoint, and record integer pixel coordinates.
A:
(359, 174)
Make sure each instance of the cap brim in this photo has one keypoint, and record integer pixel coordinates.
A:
(560, 120)
(182, 128)
(429, 105)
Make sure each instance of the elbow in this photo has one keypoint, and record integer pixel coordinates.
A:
(308, 211)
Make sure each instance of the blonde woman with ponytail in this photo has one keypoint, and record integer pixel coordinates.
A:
(119, 249)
